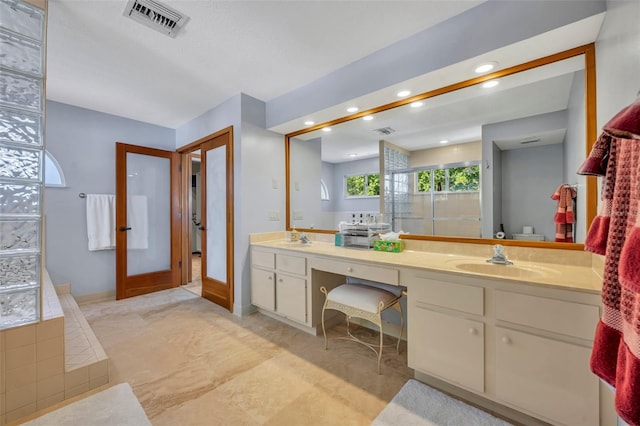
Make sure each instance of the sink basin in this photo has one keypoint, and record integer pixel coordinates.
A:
(510, 271)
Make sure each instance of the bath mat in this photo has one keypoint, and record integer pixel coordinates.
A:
(420, 405)
(114, 406)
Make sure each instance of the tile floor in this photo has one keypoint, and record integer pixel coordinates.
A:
(190, 362)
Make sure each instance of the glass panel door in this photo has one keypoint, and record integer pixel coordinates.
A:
(216, 214)
(148, 214)
(217, 218)
(147, 220)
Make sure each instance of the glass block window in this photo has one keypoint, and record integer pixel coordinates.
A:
(397, 197)
(21, 160)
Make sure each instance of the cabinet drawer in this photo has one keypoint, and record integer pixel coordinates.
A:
(351, 269)
(292, 264)
(546, 377)
(459, 297)
(558, 316)
(263, 258)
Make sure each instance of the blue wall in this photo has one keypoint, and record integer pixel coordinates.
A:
(83, 142)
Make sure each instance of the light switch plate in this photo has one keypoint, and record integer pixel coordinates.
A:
(274, 215)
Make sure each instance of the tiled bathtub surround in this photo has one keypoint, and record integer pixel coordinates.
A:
(45, 363)
(32, 362)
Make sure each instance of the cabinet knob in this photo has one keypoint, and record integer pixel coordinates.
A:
(506, 340)
(270, 277)
(473, 331)
(280, 280)
(349, 269)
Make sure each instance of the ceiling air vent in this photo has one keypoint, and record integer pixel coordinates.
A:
(156, 15)
(529, 140)
(384, 131)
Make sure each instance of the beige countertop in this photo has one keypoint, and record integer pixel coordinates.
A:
(580, 278)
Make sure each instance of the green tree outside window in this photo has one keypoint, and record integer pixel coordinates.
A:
(367, 185)
(355, 186)
(373, 184)
(439, 180)
(424, 181)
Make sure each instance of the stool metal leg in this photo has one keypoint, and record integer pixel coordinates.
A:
(398, 307)
(324, 332)
(380, 350)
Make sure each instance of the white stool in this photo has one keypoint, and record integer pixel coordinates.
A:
(366, 302)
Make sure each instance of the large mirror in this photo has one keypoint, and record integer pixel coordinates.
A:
(509, 148)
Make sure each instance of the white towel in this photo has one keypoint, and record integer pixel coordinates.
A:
(101, 221)
(138, 221)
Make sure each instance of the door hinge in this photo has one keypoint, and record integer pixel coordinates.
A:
(180, 167)
(180, 264)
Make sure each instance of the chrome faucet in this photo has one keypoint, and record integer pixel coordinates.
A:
(498, 256)
(304, 239)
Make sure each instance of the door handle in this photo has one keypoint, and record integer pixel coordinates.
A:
(201, 228)
(125, 228)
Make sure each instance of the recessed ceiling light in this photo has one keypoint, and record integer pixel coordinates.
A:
(416, 104)
(403, 93)
(353, 155)
(326, 129)
(368, 117)
(490, 83)
(487, 66)
(309, 123)
(444, 141)
(352, 109)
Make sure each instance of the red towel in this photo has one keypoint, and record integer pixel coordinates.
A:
(616, 233)
(564, 213)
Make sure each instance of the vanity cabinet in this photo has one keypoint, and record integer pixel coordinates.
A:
(523, 346)
(446, 332)
(543, 347)
(453, 347)
(547, 377)
(279, 284)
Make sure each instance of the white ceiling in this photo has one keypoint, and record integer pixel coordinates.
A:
(98, 59)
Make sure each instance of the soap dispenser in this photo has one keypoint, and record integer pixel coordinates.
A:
(294, 235)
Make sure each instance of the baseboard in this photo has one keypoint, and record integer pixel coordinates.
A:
(243, 310)
(96, 297)
(63, 288)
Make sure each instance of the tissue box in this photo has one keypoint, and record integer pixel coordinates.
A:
(391, 246)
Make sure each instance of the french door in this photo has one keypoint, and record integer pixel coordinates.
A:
(216, 226)
(147, 220)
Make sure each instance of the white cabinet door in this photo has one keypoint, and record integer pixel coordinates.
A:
(446, 346)
(546, 377)
(291, 297)
(263, 290)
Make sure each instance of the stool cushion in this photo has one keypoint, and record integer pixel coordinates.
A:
(360, 297)
(395, 289)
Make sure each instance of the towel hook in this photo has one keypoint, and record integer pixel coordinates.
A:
(82, 195)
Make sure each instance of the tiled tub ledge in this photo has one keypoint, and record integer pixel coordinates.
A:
(86, 363)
